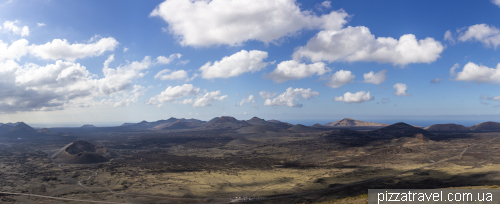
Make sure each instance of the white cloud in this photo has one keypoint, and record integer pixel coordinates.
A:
(449, 37)
(340, 78)
(436, 81)
(489, 36)
(290, 97)
(358, 44)
(64, 84)
(183, 62)
(121, 77)
(208, 99)
(479, 74)
(125, 49)
(187, 101)
(127, 98)
(326, 4)
(40, 24)
(168, 74)
(167, 60)
(235, 65)
(496, 2)
(452, 70)
(9, 26)
(400, 89)
(16, 50)
(60, 85)
(173, 93)
(494, 98)
(217, 22)
(250, 99)
(357, 97)
(292, 69)
(266, 95)
(62, 49)
(375, 78)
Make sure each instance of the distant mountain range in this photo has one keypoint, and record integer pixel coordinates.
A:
(252, 126)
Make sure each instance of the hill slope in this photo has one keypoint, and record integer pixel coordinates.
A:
(447, 127)
(486, 126)
(399, 130)
(225, 122)
(303, 129)
(21, 130)
(82, 152)
(348, 122)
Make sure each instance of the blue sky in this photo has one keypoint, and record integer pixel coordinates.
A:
(108, 62)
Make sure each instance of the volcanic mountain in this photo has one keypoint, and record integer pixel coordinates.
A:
(4, 128)
(348, 122)
(225, 122)
(257, 129)
(486, 126)
(20, 130)
(144, 125)
(303, 129)
(82, 152)
(447, 127)
(271, 123)
(398, 130)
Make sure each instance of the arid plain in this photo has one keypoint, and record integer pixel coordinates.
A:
(192, 161)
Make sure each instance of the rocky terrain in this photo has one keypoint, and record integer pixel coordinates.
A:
(226, 157)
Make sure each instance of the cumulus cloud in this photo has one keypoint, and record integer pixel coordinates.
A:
(375, 78)
(479, 74)
(168, 74)
(488, 35)
(40, 24)
(127, 98)
(292, 69)
(235, 65)
(250, 99)
(120, 78)
(10, 27)
(340, 78)
(400, 89)
(496, 2)
(218, 22)
(357, 97)
(62, 49)
(452, 70)
(31, 87)
(436, 81)
(290, 97)
(167, 60)
(326, 4)
(358, 44)
(16, 50)
(208, 99)
(266, 94)
(449, 37)
(125, 49)
(173, 93)
(63, 84)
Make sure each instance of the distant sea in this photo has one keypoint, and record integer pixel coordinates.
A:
(423, 123)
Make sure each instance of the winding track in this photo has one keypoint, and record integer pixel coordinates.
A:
(259, 199)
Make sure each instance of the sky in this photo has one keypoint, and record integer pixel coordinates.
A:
(65, 63)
